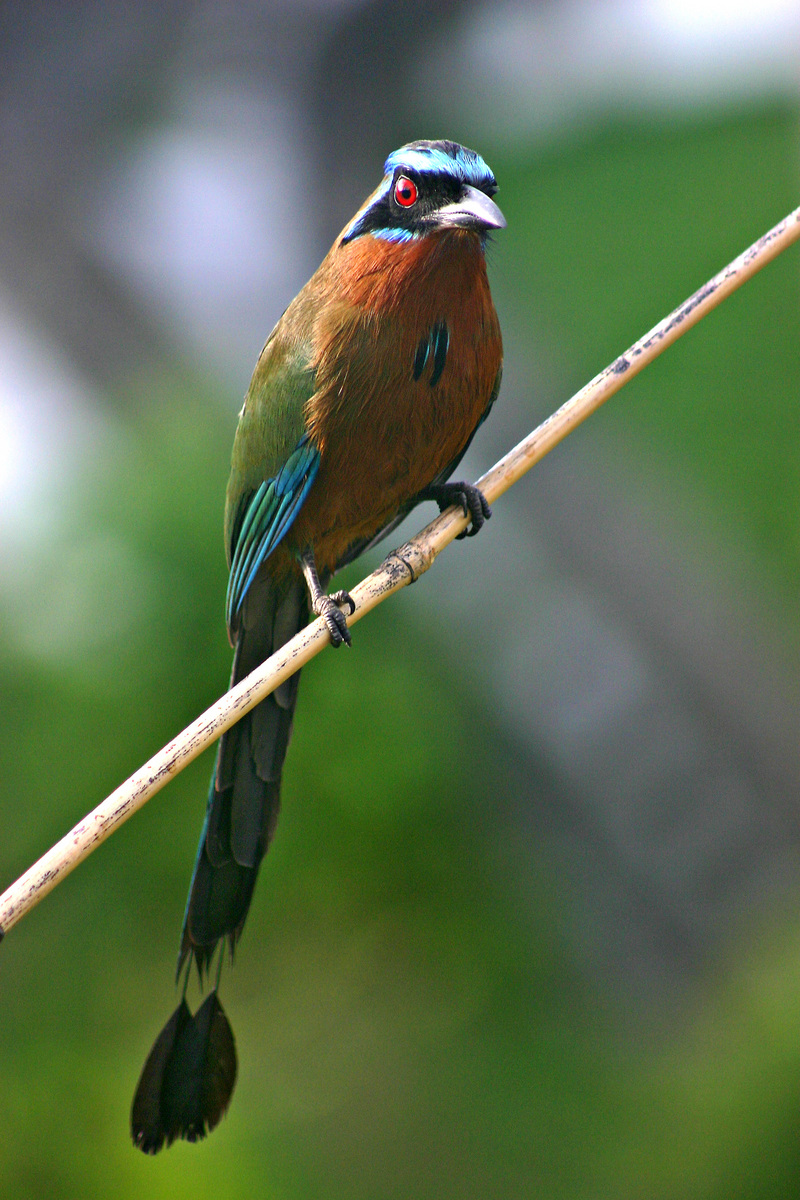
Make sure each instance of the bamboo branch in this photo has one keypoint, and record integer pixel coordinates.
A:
(403, 566)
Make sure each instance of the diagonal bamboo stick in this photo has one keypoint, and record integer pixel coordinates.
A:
(402, 567)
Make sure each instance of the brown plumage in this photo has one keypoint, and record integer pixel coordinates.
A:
(383, 435)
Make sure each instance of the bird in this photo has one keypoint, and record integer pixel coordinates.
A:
(363, 401)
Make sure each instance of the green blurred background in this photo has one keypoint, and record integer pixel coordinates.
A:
(529, 923)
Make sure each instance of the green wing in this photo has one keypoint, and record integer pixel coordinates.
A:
(268, 515)
(274, 463)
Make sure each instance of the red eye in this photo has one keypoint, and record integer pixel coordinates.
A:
(405, 191)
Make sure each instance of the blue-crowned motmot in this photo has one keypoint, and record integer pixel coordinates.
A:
(363, 401)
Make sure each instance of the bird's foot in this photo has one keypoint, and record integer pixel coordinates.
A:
(327, 607)
(470, 498)
(330, 609)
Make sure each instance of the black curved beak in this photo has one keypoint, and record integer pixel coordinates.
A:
(474, 210)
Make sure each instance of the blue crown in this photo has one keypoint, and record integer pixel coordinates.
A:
(443, 158)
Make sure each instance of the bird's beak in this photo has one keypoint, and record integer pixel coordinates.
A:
(475, 210)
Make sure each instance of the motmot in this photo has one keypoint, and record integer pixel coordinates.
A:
(362, 403)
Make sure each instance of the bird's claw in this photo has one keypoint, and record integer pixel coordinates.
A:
(328, 607)
(471, 499)
(343, 597)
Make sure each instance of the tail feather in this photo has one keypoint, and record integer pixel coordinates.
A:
(222, 887)
(188, 1079)
(189, 1076)
(270, 730)
(254, 805)
(244, 799)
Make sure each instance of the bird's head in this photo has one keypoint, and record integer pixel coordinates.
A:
(429, 187)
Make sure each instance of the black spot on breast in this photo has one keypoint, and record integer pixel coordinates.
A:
(440, 338)
(421, 357)
(436, 341)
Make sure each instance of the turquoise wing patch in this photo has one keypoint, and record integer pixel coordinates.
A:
(268, 516)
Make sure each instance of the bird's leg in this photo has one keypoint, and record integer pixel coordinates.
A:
(470, 498)
(324, 606)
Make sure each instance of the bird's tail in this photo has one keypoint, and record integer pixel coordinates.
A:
(188, 1079)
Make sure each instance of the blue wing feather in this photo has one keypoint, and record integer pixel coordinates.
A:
(268, 517)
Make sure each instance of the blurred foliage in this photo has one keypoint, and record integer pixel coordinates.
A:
(616, 230)
(408, 1020)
